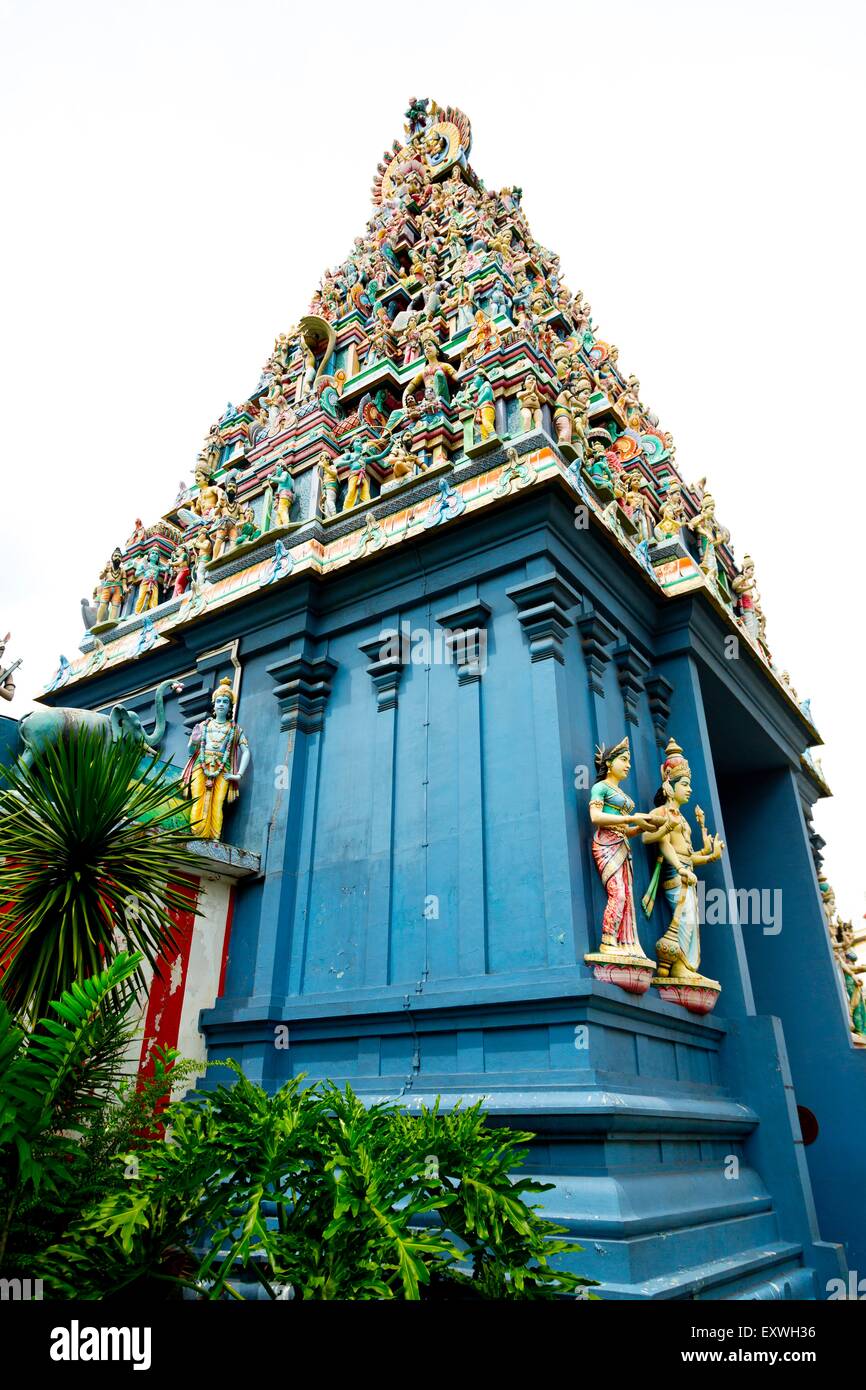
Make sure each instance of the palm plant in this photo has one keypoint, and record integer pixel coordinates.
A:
(93, 851)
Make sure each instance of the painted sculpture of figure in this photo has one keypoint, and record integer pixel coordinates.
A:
(745, 587)
(598, 467)
(679, 950)
(435, 372)
(219, 755)
(710, 535)
(206, 502)
(613, 815)
(111, 589)
(148, 572)
(484, 418)
(229, 518)
(330, 483)
(7, 684)
(358, 487)
(671, 517)
(842, 936)
(282, 486)
(402, 461)
(180, 568)
(530, 404)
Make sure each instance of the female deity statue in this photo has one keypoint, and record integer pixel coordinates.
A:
(746, 589)
(530, 404)
(631, 495)
(219, 756)
(671, 518)
(710, 535)
(180, 567)
(613, 814)
(842, 935)
(463, 299)
(435, 372)
(679, 950)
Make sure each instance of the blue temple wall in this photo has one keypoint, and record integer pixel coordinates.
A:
(428, 893)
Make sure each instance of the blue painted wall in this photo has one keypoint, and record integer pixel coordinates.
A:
(428, 894)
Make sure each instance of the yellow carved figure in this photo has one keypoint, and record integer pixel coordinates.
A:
(219, 755)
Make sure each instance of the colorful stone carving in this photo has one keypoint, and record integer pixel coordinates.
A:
(111, 589)
(282, 486)
(43, 727)
(149, 572)
(679, 950)
(7, 684)
(530, 404)
(219, 757)
(620, 958)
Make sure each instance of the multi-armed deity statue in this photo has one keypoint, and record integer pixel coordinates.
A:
(679, 950)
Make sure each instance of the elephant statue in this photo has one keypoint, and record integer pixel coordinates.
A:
(43, 727)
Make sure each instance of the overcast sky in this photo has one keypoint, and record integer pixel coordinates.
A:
(177, 176)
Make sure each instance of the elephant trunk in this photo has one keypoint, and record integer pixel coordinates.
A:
(154, 739)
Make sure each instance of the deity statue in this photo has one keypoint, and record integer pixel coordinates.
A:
(435, 372)
(463, 299)
(149, 572)
(203, 547)
(282, 486)
(207, 501)
(479, 393)
(679, 950)
(842, 937)
(631, 495)
(219, 756)
(745, 587)
(229, 518)
(483, 338)
(7, 684)
(402, 461)
(613, 814)
(530, 404)
(711, 536)
(180, 567)
(111, 588)
(672, 516)
(330, 484)
(357, 456)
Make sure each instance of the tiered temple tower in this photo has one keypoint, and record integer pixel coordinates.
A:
(441, 552)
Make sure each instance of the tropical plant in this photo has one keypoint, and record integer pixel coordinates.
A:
(66, 1111)
(93, 853)
(313, 1189)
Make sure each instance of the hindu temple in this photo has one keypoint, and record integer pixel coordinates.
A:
(497, 787)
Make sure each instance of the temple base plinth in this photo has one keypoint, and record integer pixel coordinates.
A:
(634, 974)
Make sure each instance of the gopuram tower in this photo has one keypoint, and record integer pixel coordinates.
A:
(497, 790)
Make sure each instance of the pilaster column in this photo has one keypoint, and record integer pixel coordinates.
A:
(466, 641)
(544, 608)
(302, 685)
(385, 670)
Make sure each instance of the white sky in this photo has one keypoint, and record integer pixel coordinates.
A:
(177, 175)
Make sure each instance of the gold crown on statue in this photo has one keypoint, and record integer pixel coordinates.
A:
(604, 756)
(224, 688)
(675, 761)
